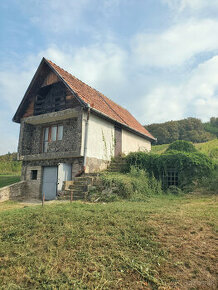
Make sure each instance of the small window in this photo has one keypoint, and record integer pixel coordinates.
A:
(34, 174)
(170, 177)
(60, 132)
(53, 133)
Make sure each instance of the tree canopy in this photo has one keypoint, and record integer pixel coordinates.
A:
(190, 129)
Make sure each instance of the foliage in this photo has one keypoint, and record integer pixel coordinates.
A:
(209, 148)
(190, 166)
(212, 126)
(9, 164)
(172, 189)
(181, 145)
(210, 183)
(10, 167)
(8, 179)
(190, 129)
(115, 185)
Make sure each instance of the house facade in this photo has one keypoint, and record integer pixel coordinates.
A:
(68, 128)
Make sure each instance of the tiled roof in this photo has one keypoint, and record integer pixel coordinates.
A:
(98, 101)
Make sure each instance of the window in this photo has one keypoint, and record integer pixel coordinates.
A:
(51, 134)
(34, 174)
(170, 177)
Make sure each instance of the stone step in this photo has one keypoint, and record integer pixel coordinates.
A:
(78, 187)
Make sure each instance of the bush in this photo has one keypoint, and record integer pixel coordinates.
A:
(114, 186)
(181, 145)
(189, 166)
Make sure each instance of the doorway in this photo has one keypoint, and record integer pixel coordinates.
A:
(49, 182)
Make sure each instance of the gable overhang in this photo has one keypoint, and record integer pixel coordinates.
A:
(17, 116)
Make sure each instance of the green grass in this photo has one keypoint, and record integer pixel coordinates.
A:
(8, 179)
(210, 148)
(159, 148)
(167, 241)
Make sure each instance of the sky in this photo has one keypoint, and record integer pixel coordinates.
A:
(156, 58)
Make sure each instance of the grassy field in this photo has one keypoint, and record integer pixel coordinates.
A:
(210, 148)
(8, 179)
(167, 242)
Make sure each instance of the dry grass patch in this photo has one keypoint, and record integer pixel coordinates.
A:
(166, 242)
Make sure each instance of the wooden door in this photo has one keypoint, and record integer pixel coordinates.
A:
(118, 141)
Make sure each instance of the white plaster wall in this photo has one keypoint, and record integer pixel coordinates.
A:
(133, 143)
(100, 138)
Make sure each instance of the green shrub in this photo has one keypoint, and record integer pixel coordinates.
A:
(209, 184)
(10, 167)
(189, 166)
(113, 186)
(172, 189)
(182, 145)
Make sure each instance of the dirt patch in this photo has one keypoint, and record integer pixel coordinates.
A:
(192, 251)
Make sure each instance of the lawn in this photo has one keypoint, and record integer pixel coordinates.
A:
(210, 148)
(166, 242)
(8, 179)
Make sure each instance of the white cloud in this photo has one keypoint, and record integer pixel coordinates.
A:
(176, 45)
(101, 66)
(181, 5)
(196, 97)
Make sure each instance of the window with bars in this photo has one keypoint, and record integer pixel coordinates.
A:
(170, 177)
(51, 134)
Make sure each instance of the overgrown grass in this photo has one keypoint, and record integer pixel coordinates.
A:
(210, 148)
(8, 179)
(135, 185)
(166, 242)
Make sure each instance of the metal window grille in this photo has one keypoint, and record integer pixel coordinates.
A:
(170, 177)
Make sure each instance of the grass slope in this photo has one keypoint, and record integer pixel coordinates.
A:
(210, 148)
(165, 242)
(8, 179)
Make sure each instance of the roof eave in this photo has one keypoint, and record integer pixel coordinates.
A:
(123, 125)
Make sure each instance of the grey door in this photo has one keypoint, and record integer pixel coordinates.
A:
(64, 174)
(49, 182)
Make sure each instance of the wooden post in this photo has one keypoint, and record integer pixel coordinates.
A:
(43, 198)
(71, 196)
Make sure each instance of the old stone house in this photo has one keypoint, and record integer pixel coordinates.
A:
(68, 128)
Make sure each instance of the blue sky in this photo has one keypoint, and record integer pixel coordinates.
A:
(157, 58)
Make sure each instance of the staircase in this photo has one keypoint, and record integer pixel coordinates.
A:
(79, 186)
(118, 164)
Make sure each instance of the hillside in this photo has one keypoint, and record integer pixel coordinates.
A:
(210, 148)
(190, 129)
(9, 164)
(168, 242)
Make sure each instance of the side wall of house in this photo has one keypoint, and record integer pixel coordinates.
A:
(132, 143)
(100, 143)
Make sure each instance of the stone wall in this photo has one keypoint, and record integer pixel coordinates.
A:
(32, 138)
(33, 188)
(13, 191)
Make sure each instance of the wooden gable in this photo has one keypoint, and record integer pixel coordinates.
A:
(46, 93)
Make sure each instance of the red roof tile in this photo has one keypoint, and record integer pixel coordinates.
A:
(98, 101)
